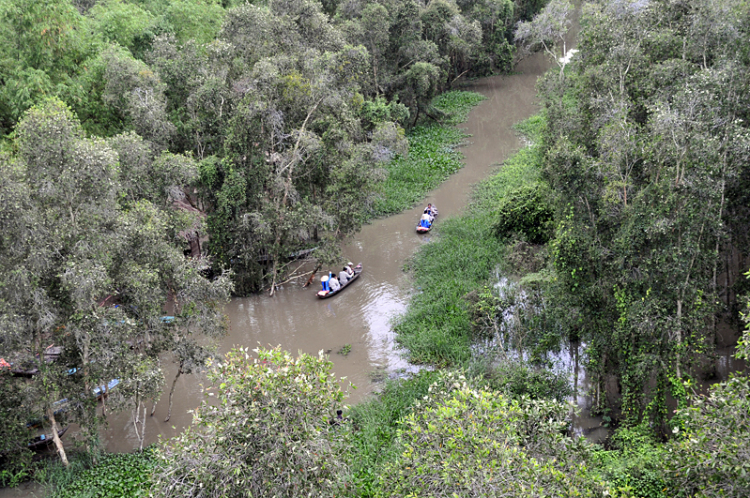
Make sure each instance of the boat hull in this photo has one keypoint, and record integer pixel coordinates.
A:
(326, 294)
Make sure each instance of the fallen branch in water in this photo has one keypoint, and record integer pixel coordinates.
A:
(309, 280)
(293, 276)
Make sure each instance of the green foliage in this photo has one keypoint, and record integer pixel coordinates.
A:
(16, 458)
(433, 156)
(118, 475)
(377, 421)
(83, 236)
(525, 211)
(647, 188)
(634, 466)
(264, 430)
(437, 325)
(123, 23)
(462, 441)
(708, 456)
(379, 110)
(197, 20)
(516, 380)
(456, 105)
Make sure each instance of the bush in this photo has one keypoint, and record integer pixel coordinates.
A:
(266, 432)
(634, 467)
(461, 441)
(517, 379)
(526, 211)
(376, 421)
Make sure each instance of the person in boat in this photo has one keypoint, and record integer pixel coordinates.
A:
(425, 221)
(349, 269)
(343, 276)
(431, 211)
(324, 283)
(334, 283)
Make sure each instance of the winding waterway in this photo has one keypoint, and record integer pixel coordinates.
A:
(361, 316)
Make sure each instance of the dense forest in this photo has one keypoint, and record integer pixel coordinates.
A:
(135, 132)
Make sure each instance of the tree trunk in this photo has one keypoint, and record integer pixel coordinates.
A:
(171, 392)
(56, 437)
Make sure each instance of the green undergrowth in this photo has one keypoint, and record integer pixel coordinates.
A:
(376, 422)
(115, 475)
(433, 155)
(436, 327)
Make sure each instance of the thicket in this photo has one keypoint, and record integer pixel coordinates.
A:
(646, 152)
(132, 127)
(291, 108)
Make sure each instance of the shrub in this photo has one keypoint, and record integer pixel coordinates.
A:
(461, 441)
(525, 211)
(634, 467)
(266, 432)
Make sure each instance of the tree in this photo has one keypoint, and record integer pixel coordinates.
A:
(465, 441)
(271, 429)
(89, 266)
(123, 23)
(710, 454)
(547, 32)
(646, 151)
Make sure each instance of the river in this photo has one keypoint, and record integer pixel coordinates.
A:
(361, 316)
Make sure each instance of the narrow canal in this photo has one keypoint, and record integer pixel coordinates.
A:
(361, 316)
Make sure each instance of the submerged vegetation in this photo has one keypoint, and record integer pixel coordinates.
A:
(622, 228)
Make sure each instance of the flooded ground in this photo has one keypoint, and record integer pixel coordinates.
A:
(361, 315)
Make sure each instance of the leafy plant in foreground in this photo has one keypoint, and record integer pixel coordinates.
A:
(461, 441)
(266, 432)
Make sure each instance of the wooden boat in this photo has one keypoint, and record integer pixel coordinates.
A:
(101, 391)
(421, 229)
(326, 294)
(42, 441)
(51, 354)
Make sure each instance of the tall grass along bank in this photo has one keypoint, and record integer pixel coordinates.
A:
(436, 328)
(433, 155)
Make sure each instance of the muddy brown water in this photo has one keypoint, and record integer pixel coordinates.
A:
(361, 315)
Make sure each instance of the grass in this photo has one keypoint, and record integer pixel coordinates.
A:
(436, 328)
(433, 156)
(115, 475)
(374, 441)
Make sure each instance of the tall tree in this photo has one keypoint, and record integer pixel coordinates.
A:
(89, 266)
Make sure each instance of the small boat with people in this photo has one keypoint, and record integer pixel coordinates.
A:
(331, 284)
(428, 218)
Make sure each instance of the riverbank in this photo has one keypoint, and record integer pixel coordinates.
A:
(434, 155)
